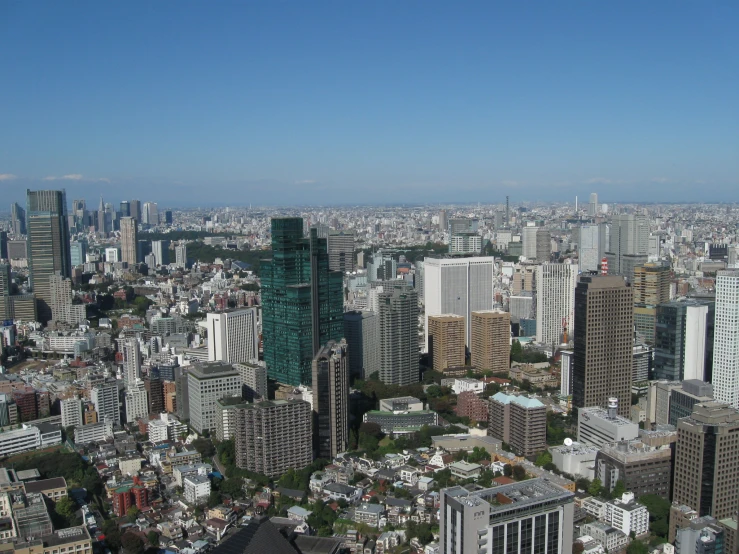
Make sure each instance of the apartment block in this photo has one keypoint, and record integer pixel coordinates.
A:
(446, 341)
(519, 421)
(490, 345)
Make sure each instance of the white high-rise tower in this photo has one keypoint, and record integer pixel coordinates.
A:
(593, 205)
(555, 301)
(725, 377)
(233, 336)
(458, 286)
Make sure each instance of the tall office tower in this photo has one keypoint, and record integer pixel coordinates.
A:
(683, 337)
(3, 245)
(155, 391)
(168, 217)
(651, 287)
(725, 377)
(6, 311)
(106, 400)
(253, 380)
(137, 401)
(462, 225)
(530, 516)
(707, 460)
(160, 249)
(182, 396)
(125, 208)
(62, 308)
(381, 267)
(443, 220)
(397, 319)
(555, 302)
(543, 245)
(360, 331)
(628, 244)
(684, 398)
(48, 244)
(180, 255)
(131, 361)
(17, 220)
(341, 251)
(490, 346)
(603, 353)
(528, 239)
(331, 400)
(593, 205)
(71, 412)
(458, 286)
(418, 281)
(100, 218)
(446, 341)
(150, 213)
(129, 241)
(273, 436)
(77, 252)
(207, 383)
(302, 301)
(136, 210)
(588, 248)
(233, 336)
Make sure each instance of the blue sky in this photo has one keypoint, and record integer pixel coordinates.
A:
(194, 103)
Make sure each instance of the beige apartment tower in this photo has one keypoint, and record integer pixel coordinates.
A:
(603, 352)
(446, 341)
(490, 345)
(519, 421)
(651, 287)
(706, 474)
(129, 240)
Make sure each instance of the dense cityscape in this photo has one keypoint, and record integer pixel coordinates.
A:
(515, 376)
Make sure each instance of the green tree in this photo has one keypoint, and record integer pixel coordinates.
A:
(132, 543)
(112, 535)
(132, 513)
(214, 499)
(543, 459)
(519, 473)
(153, 537)
(637, 547)
(66, 508)
(595, 487)
(508, 470)
(619, 489)
(204, 446)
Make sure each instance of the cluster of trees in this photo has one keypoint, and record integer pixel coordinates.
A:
(526, 355)
(559, 427)
(227, 456)
(200, 251)
(69, 465)
(372, 441)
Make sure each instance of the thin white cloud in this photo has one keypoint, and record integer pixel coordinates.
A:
(306, 182)
(660, 179)
(104, 180)
(598, 181)
(7, 177)
(70, 177)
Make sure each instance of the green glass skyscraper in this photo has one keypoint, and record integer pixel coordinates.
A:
(302, 302)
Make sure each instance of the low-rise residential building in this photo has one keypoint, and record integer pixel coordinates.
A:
(611, 538)
(94, 432)
(337, 491)
(197, 488)
(369, 514)
(465, 470)
(627, 515)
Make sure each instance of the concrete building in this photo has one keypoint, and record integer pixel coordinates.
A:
(593, 205)
(530, 516)
(160, 249)
(458, 286)
(180, 255)
(707, 460)
(253, 380)
(683, 340)
(233, 336)
(519, 421)
(360, 331)
(597, 426)
(398, 335)
(555, 301)
(683, 399)
(129, 241)
(71, 411)
(629, 236)
(725, 376)
(274, 436)
(643, 469)
(207, 383)
(576, 459)
(588, 248)
(341, 251)
(641, 363)
(612, 539)
(227, 416)
(196, 488)
(446, 346)
(106, 399)
(93, 432)
(603, 347)
(703, 535)
(331, 400)
(627, 515)
(490, 344)
(651, 287)
(137, 402)
(62, 308)
(131, 361)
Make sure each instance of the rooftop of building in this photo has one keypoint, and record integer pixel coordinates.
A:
(46, 484)
(634, 450)
(602, 413)
(574, 449)
(711, 413)
(209, 370)
(231, 401)
(521, 494)
(401, 399)
(447, 318)
(524, 401)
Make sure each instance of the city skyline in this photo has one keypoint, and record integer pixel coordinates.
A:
(371, 103)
